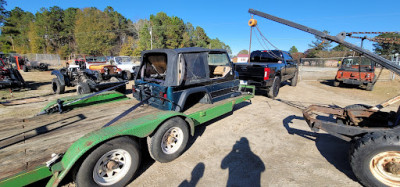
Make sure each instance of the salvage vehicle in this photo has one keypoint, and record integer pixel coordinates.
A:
(373, 134)
(9, 76)
(126, 64)
(29, 65)
(356, 71)
(85, 80)
(97, 153)
(267, 69)
(99, 63)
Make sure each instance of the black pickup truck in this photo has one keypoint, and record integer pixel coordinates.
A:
(267, 69)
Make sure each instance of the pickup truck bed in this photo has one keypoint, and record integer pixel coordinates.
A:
(29, 143)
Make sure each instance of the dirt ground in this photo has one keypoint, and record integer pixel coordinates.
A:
(264, 142)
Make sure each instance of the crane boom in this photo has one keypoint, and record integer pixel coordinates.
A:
(338, 39)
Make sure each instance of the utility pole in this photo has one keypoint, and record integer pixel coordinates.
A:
(151, 37)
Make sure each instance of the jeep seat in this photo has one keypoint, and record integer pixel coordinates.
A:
(221, 70)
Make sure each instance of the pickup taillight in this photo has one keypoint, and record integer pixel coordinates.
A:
(266, 73)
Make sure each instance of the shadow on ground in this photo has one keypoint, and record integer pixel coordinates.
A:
(244, 166)
(196, 175)
(346, 86)
(333, 149)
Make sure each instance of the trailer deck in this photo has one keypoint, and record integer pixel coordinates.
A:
(27, 144)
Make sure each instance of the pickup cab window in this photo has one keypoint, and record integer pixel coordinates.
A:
(266, 56)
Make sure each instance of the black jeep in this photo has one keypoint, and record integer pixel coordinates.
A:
(176, 79)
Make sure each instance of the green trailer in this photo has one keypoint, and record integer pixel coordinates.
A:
(76, 144)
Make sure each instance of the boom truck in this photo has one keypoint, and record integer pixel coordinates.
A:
(374, 134)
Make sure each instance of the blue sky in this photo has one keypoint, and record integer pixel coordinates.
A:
(227, 20)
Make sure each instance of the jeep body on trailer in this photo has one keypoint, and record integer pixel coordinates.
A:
(125, 63)
(183, 77)
(267, 69)
(356, 71)
(104, 148)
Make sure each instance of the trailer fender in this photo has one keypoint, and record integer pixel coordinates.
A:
(140, 128)
(60, 76)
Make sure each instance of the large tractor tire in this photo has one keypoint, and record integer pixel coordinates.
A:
(127, 75)
(83, 88)
(169, 141)
(113, 163)
(375, 159)
(273, 91)
(57, 87)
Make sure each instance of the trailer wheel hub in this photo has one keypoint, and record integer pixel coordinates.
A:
(172, 140)
(112, 167)
(385, 167)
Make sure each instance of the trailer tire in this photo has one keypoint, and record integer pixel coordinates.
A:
(369, 87)
(119, 157)
(25, 68)
(374, 159)
(57, 87)
(293, 81)
(169, 141)
(273, 91)
(82, 88)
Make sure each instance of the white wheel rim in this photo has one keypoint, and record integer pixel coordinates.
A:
(112, 167)
(385, 167)
(172, 140)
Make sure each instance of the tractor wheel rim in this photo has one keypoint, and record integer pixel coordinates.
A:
(112, 167)
(385, 167)
(172, 140)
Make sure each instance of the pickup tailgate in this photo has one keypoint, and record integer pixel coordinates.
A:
(251, 71)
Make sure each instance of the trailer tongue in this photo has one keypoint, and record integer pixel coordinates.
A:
(375, 153)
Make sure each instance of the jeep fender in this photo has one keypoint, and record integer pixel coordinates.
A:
(60, 76)
(186, 94)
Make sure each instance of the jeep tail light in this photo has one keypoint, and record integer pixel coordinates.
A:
(133, 89)
(162, 96)
(266, 73)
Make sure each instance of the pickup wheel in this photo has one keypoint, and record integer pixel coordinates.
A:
(57, 87)
(114, 163)
(169, 141)
(82, 88)
(274, 89)
(293, 81)
(375, 159)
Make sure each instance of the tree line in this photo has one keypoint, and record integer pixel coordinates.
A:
(92, 31)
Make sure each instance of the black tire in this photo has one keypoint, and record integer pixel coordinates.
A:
(357, 106)
(82, 88)
(86, 174)
(293, 81)
(371, 158)
(336, 83)
(369, 87)
(57, 87)
(178, 128)
(273, 91)
(127, 75)
(25, 68)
